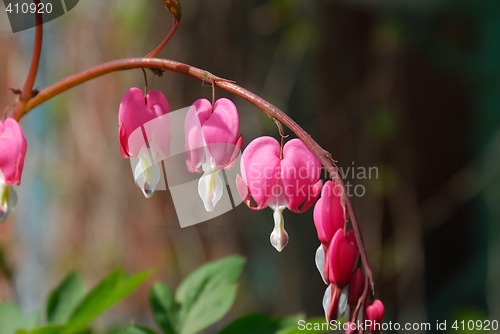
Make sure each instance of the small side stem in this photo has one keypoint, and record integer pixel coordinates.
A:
(269, 109)
(26, 92)
(165, 41)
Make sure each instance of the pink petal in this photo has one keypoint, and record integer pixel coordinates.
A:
(342, 257)
(197, 114)
(220, 131)
(375, 313)
(12, 151)
(300, 172)
(260, 169)
(329, 215)
(134, 112)
(356, 286)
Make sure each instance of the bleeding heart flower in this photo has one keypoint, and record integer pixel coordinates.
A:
(356, 286)
(375, 313)
(342, 257)
(12, 152)
(212, 144)
(279, 180)
(144, 133)
(329, 213)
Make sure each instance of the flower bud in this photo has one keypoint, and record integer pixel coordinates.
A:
(375, 313)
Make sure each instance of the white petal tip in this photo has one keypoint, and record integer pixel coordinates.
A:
(210, 188)
(279, 237)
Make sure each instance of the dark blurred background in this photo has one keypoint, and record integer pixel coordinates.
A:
(408, 87)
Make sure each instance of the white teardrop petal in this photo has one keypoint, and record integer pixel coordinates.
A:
(279, 236)
(210, 189)
(8, 201)
(320, 261)
(327, 300)
(343, 300)
(147, 174)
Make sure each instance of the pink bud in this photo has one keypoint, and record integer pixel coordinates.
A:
(135, 111)
(375, 313)
(356, 286)
(12, 152)
(329, 213)
(342, 257)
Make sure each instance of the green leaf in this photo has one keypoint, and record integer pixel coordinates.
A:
(63, 300)
(208, 293)
(12, 319)
(139, 330)
(55, 329)
(113, 288)
(130, 330)
(161, 299)
(262, 324)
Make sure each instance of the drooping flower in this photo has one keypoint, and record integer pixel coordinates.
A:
(12, 152)
(212, 144)
(144, 133)
(337, 255)
(279, 180)
(375, 313)
(329, 213)
(356, 285)
(342, 257)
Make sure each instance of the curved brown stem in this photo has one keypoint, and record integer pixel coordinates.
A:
(165, 41)
(26, 92)
(269, 109)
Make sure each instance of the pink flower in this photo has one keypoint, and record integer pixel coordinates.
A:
(144, 133)
(342, 257)
(356, 286)
(279, 180)
(329, 213)
(212, 144)
(13, 149)
(12, 152)
(375, 313)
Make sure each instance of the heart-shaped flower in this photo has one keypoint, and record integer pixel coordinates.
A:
(356, 285)
(329, 213)
(279, 180)
(144, 134)
(12, 152)
(375, 314)
(342, 257)
(212, 144)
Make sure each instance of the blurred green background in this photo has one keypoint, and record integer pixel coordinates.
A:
(411, 87)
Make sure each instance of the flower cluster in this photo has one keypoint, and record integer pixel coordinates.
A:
(13, 150)
(273, 174)
(337, 260)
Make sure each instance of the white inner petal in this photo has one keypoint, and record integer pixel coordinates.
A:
(147, 174)
(343, 300)
(327, 300)
(210, 188)
(8, 200)
(320, 261)
(279, 237)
